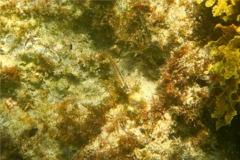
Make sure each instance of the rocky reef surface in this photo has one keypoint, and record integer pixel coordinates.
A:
(116, 80)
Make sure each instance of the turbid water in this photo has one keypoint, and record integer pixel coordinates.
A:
(119, 80)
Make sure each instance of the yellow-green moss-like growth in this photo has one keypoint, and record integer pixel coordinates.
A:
(227, 69)
(220, 7)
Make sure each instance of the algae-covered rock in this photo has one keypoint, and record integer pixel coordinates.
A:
(110, 80)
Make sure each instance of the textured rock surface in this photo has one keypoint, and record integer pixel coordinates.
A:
(107, 80)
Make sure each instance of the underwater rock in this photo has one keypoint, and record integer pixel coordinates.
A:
(109, 80)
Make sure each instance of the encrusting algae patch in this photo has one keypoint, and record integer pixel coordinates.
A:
(119, 80)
